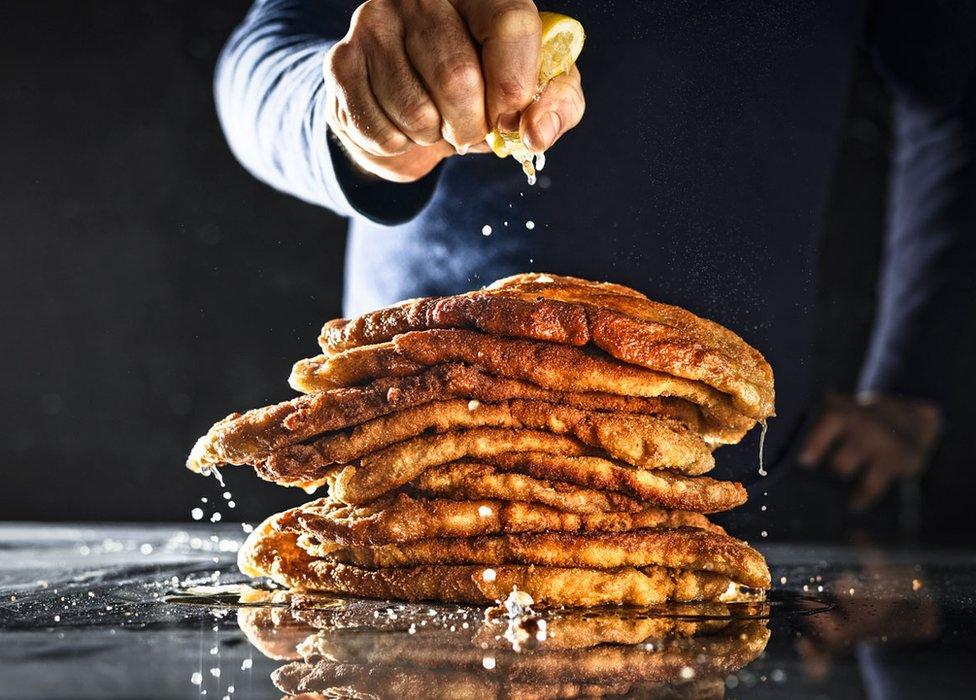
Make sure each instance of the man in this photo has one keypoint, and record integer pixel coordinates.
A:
(698, 175)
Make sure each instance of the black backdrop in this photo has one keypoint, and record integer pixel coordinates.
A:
(150, 285)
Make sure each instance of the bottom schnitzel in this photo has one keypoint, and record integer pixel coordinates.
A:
(274, 554)
(684, 548)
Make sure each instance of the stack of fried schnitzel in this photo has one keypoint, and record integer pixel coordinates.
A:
(546, 433)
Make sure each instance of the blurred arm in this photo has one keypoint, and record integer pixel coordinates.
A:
(923, 339)
(270, 95)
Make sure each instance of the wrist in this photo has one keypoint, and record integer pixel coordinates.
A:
(378, 199)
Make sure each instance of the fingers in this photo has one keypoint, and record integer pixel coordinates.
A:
(399, 90)
(559, 108)
(873, 484)
(849, 456)
(440, 49)
(510, 34)
(825, 432)
(355, 110)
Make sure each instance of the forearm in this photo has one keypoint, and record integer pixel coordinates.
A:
(923, 335)
(271, 100)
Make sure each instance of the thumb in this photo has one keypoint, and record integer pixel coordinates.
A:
(559, 108)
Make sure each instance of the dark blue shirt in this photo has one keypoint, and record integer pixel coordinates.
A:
(699, 174)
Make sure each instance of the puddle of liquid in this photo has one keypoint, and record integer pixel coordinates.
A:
(777, 604)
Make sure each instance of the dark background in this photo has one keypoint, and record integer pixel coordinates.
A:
(151, 285)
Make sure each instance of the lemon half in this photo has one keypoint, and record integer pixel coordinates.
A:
(562, 42)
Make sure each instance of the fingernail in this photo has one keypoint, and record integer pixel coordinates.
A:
(546, 129)
(508, 122)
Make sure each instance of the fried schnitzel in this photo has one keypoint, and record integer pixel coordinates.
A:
(566, 310)
(684, 548)
(403, 518)
(549, 478)
(252, 436)
(641, 440)
(460, 480)
(391, 468)
(276, 555)
(556, 367)
(545, 433)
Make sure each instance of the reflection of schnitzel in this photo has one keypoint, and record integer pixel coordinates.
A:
(546, 433)
(358, 648)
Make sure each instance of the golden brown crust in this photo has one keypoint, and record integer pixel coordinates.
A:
(403, 518)
(354, 366)
(620, 321)
(684, 548)
(268, 552)
(250, 437)
(641, 440)
(463, 480)
(541, 474)
(391, 468)
(553, 366)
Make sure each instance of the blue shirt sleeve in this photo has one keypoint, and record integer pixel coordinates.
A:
(923, 333)
(271, 99)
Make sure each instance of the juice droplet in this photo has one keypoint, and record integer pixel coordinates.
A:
(762, 445)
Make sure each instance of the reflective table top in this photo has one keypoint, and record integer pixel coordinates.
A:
(160, 611)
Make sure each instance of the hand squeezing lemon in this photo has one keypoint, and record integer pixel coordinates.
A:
(562, 42)
(411, 84)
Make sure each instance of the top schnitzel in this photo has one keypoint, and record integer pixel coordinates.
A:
(568, 310)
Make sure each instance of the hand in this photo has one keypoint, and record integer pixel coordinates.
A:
(416, 81)
(873, 439)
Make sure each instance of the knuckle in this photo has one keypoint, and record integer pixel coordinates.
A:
(579, 103)
(388, 142)
(368, 16)
(571, 109)
(513, 20)
(340, 63)
(381, 138)
(458, 76)
(421, 117)
(511, 89)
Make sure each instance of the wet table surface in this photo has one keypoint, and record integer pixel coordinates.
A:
(89, 612)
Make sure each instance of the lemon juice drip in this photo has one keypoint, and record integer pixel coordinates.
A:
(762, 445)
